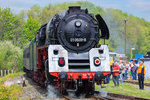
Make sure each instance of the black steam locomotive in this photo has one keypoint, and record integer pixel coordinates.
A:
(66, 52)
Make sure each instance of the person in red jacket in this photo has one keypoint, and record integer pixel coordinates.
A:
(116, 73)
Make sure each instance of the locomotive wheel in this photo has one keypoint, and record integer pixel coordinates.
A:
(90, 90)
(78, 92)
(93, 89)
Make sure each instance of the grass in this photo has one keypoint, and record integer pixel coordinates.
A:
(126, 89)
(147, 80)
(11, 92)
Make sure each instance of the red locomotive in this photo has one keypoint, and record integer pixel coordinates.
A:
(66, 52)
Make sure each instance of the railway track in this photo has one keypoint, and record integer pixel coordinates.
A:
(101, 98)
(67, 97)
(135, 82)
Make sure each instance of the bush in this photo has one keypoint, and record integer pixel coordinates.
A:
(11, 57)
(10, 92)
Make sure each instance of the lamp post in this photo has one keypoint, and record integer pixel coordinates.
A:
(125, 21)
(131, 51)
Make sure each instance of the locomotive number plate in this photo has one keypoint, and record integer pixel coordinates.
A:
(77, 39)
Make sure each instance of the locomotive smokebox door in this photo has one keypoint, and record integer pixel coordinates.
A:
(78, 31)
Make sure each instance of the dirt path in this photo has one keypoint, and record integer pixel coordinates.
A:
(32, 90)
(16, 80)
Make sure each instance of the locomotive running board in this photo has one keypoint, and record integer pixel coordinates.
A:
(41, 47)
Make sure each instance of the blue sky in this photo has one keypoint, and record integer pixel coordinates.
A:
(139, 8)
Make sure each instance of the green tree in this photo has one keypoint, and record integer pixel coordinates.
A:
(30, 28)
(34, 12)
(8, 23)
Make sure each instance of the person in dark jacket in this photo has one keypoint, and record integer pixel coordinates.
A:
(109, 75)
(126, 70)
(141, 74)
(134, 70)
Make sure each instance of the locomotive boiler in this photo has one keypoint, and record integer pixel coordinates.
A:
(66, 53)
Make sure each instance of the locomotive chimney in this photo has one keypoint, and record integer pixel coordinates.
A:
(74, 8)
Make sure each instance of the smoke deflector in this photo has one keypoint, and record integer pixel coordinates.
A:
(103, 26)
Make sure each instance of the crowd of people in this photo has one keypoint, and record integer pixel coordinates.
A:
(125, 71)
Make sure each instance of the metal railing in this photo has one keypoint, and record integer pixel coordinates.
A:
(5, 72)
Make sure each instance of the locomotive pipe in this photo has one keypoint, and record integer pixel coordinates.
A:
(70, 90)
(80, 80)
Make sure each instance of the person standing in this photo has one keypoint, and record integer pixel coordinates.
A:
(115, 71)
(134, 70)
(108, 76)
(126, 70)
(130, 70)
(123, 71)
(120, 72)
(141, 74)
(132, 65)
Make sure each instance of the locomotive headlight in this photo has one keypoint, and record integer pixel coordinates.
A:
(61, 62)
(77, 23)
(97, 61)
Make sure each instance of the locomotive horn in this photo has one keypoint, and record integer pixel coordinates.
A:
(103, 26)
